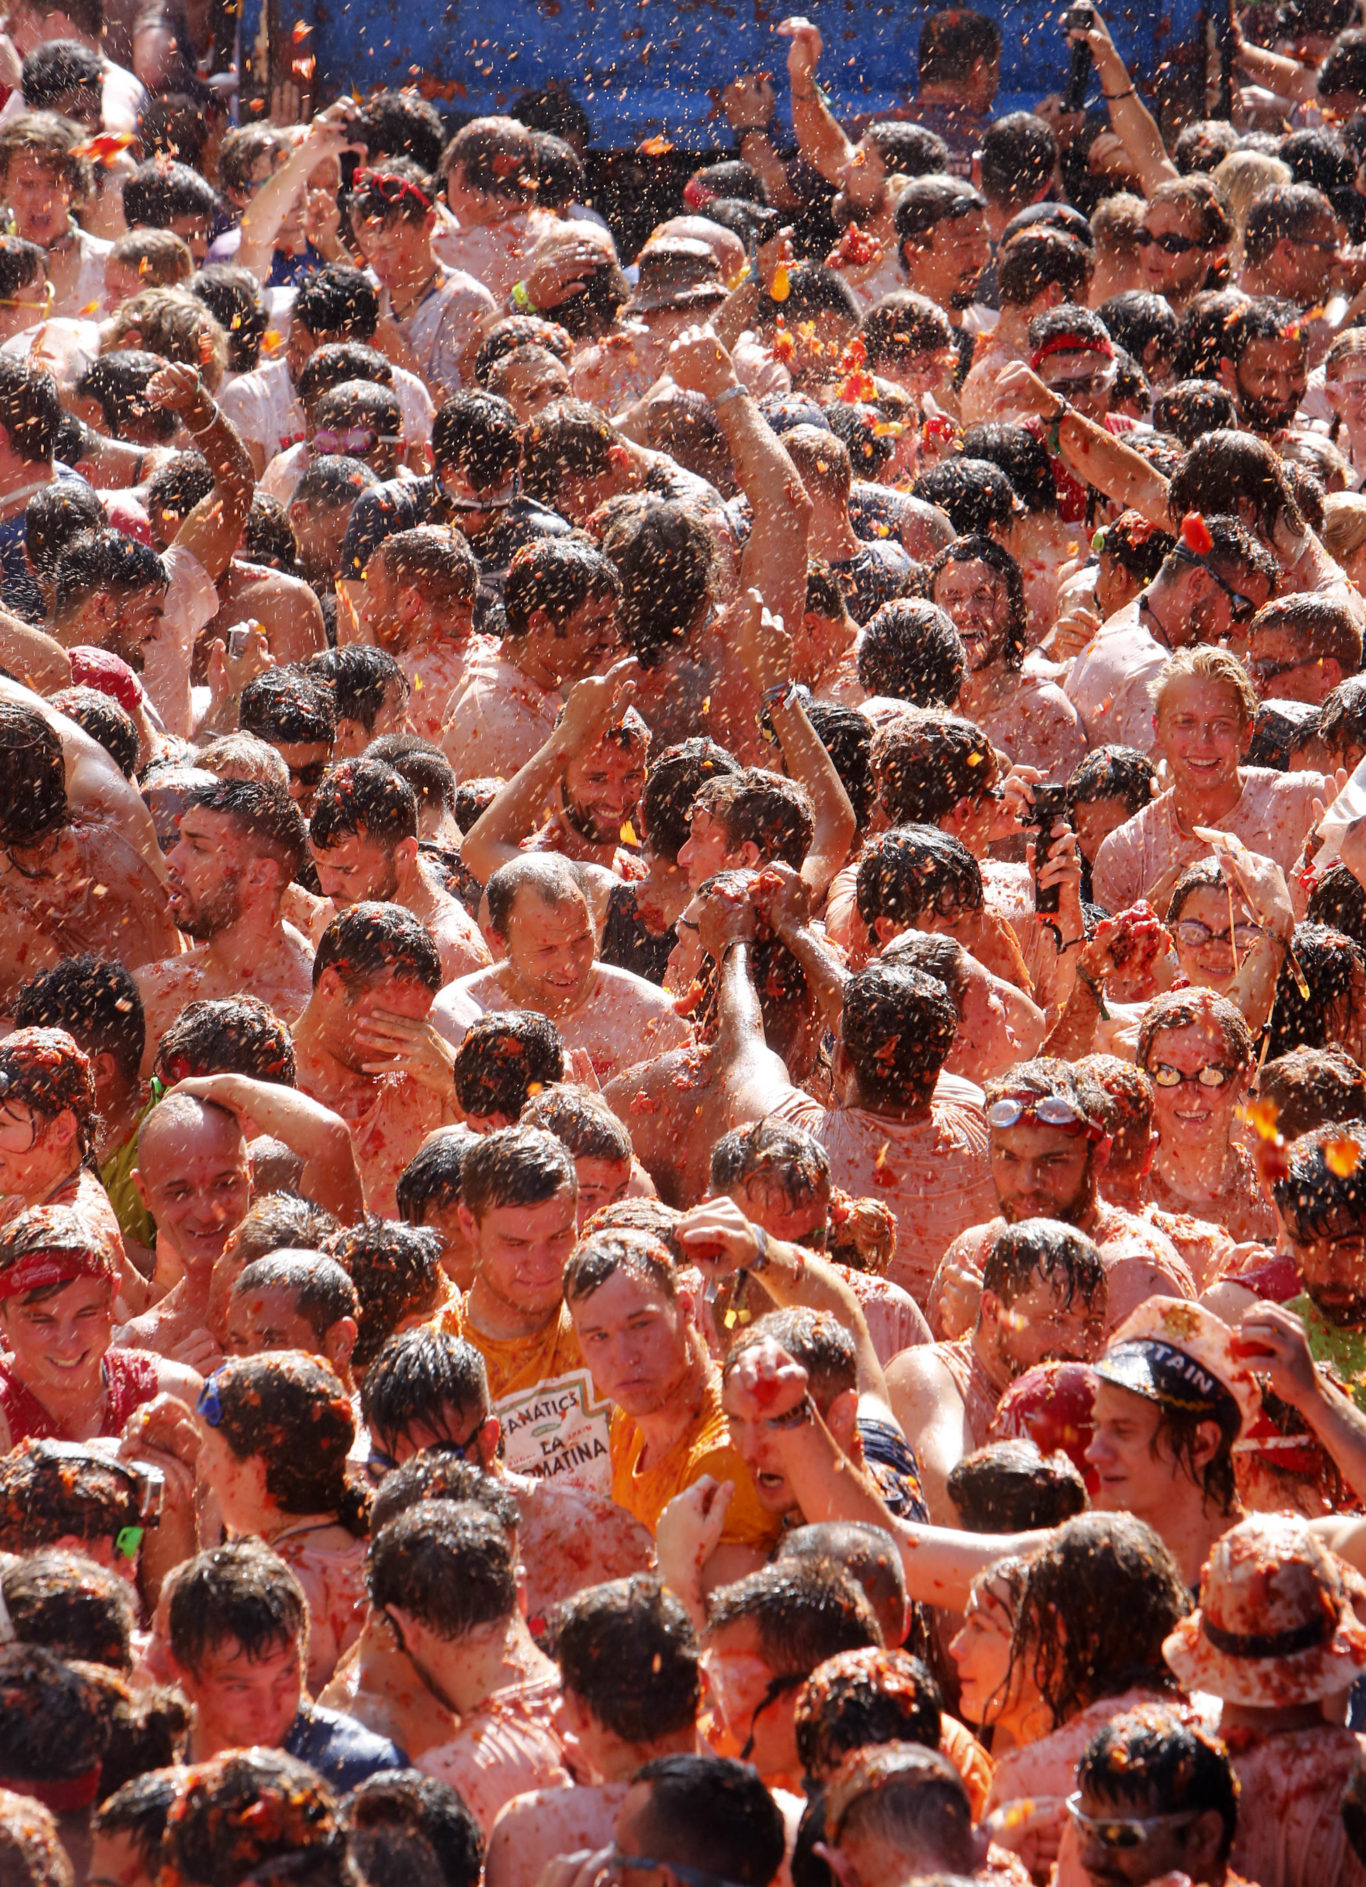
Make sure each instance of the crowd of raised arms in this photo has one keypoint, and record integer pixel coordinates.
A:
(683, 979)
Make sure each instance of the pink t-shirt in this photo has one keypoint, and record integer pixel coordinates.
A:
(621, 1020)
(1272, 816)
(1109, 683)
(931, 1173)
(505, 1748)
(496, 718)
(434, 674)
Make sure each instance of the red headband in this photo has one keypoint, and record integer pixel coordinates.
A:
(38, 1269)
(62, 1796)
(1071, 344)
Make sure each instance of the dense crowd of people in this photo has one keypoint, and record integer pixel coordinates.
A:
(682, 1117)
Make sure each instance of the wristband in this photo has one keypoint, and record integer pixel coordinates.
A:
(778, 695)
(1051, 437)
(794, 1418)
(760, 1263)
(1112, 96)
(521, 300)
(737, 392)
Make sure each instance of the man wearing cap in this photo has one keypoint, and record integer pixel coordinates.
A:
(1196, 596)
(1275, 1638)
(1043, 1298)
(1171, 1400)
(62, 1379)
(1048, 1151)
(680, 284)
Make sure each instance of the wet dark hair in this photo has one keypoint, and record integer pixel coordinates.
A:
(55, 516)
(396, 1270)
(265, 814)
(517, 1166)
(54, 1493)
(288, 704)
(515, 331)
(369, 940)
(1138, 320)
(1010, 1487)
(600, 1255)
(234, 298)
(914, 869)
(421, 1377)
(241, 1592)
(291, 1412)
(244, 1809)
(104, 560)
(911, 651)
(322, 1292)
(1226, 467)
(814, 1338)
(628, 1650)
(504, 1057)
(666, 562)
(1157, 1761)
(138, 1810)
(235, 1035)
(847, 736)
(804, 1611)
(672, 782)
(859, 1699)
(361, 675)
(1019, 151)
(105, 721)
(410, 1806)
(95, 1000)
(477, 433)
(363, 798)
(1314, 1200)
(772, 1149)
(1097, 1601)
(1192, 408)
(974, 494)
(581, 1119)
(898, 1028)
(1330, 963)
(441, 1473)
(53, 1724)
(30, 410)
(432, 1176)
(268, 536)
(1121, 773)
(764, 809)
(1338, 901)
(813, 291)
(449, 1563)
(423, 766)
(1045, 1250)
(72, 1605)
(709, 1812)
(557, 575)
(1310, 1087)
(1021, 456)
(33, 800)
(979, 549)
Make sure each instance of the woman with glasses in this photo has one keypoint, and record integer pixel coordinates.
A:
(1231, 921)
(1204, 704)
(275, 1432)
(1199, 1054)
(1344, 390)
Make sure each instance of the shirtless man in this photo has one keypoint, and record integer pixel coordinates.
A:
(542, 933)
(364, 1045)
(47, 1133)
(1043, 1296)
(66, 828)
(428, 1392)
(1047, 1157)
(239, 849)
(417, 601)
(979, 585)
(363, 837)
(631, 1688)
(443, 1577)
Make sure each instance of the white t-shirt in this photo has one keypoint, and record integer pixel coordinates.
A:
(191, 604)
(264, 406)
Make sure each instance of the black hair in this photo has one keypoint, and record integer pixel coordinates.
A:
(974, 494)
(1138, 320)
(913, 869)
(234, 298)
(904, 1012)
(370, 939)
(628, 1650)
(712, 1813)
(54, 516)
(291, 1412)
(96, 1000)
(977, 548)
(1010, 1487)
(516, 1166)
(504, 1057)
(74, 1606)
(241, 1592)
(419, 1378)
(363, 797)
(449, 1563)
(265, 814)
(371, 196)
(288, 704)
(929, 201)
(339, 302)
(322, 1291)
(1121, 773)
(557, 575)
(403, 123)
(1158, 1761)
(423, 766)
(813, 291)
(665, 560)
(156, 193)
(268, 536)
(1192, 408)
(1045, 1250)
(477, 433)
(911, 650)
(226, 1035)
(57, 67)
(1330, 964)
(440, 1472)
(1338, 901)
(33, 799)
(105, 561)
(396, 1270)
(432, 1175)
(847, 737)
(672, 783)
(105, 721)
(1021, 456)
(1019, 152)
(407, 1804)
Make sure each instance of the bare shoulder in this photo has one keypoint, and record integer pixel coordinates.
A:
(919, 1376)
(178, 1379)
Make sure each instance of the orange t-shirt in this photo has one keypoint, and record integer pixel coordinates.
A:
(704, 1449)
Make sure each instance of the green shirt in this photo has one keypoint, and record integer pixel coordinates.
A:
(1330, 1343)
(116, 1176)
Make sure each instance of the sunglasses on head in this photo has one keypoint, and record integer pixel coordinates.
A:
(388, 188)
(208, 1404)
(1243, 606)
(1050, 1110)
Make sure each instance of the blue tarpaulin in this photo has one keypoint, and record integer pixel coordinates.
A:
(655, 68)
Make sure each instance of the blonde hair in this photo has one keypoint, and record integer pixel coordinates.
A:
(243, 756)
(1243, 175)
(1206, 664)
(1344, 523)
(175, 324)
